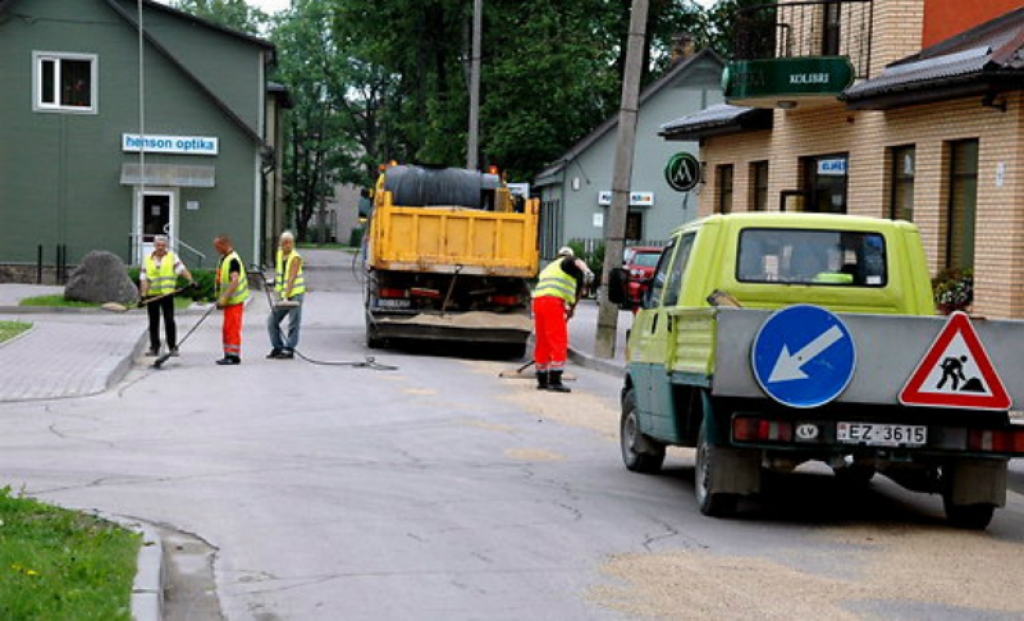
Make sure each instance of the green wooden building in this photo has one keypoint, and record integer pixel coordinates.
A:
(72, 177)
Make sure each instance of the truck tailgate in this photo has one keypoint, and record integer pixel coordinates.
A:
(450, 239)
(889, 349)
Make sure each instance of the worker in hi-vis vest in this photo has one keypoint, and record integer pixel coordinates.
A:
(554, 299)
(232, 292)
(290, 291)
(157, 281)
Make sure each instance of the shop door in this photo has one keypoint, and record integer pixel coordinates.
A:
(156, 217)
(825, 183)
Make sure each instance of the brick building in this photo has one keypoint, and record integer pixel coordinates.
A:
(908, 109)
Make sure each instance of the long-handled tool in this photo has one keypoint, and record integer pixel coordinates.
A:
(120, 308)
(162, 359)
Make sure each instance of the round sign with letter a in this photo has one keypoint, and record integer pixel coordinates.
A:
(803, 356)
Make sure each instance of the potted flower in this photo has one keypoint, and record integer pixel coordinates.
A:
(953, 289)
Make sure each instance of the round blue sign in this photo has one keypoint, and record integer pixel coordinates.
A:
(803, 356)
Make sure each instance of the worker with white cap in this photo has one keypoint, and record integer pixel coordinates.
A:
(554, 299)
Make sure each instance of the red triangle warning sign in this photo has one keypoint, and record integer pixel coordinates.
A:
(956, 372)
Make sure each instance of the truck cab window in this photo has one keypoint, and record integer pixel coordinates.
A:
(675, 277)
(808, 257)
(661, 275)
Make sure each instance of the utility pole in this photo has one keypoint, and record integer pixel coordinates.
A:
(615, 233)
(473, 141)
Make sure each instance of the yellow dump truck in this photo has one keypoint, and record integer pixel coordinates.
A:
(449, 255)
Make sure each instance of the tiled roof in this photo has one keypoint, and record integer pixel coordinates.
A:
(993, 50)
(719, 118)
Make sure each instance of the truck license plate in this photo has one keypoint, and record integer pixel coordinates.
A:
(393, 303)
(878, 434)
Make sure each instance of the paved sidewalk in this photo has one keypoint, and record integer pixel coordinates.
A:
(65, 354)
(583, 336)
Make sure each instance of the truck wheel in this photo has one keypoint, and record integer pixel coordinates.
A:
(640, 453)
(969, 517)
(373, 341)
(710, 503)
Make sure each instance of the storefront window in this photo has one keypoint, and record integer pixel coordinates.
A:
(759, 186)
(901, 199)
(724, 178)
(825, 183)
(963, 203)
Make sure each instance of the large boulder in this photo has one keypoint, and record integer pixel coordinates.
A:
(101, 278)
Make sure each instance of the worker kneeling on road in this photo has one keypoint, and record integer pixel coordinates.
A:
(559, 287)
(290, 289)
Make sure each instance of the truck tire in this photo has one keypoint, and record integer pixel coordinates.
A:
(640, 453)
(713, 504)
(373, 340)
(968, 517)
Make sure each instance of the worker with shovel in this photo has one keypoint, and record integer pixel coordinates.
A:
(157, 279)
(232, 293)
(554, 299)
(290, 289)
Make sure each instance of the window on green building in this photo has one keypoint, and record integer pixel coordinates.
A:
(901, 196)
(65, 82)
(963, 203)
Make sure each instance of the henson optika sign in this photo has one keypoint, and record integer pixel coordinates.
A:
(182, 145)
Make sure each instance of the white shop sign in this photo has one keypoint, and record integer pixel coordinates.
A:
(183, 145)
(636, 199)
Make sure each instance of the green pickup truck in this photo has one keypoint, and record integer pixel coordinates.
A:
(767, 340)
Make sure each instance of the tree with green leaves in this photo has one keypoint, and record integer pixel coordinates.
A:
(234, 14)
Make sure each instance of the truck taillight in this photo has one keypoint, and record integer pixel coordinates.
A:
(505, 300)
(749, 429)
(393, 293)
(996, 440)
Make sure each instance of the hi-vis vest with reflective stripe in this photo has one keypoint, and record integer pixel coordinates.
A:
(224, 279)
(281, 278)
(161, 279)
(555, 282)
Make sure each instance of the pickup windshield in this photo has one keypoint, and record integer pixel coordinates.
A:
(809, 257)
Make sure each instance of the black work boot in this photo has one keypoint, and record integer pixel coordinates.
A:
(542, 380)
(556, 384)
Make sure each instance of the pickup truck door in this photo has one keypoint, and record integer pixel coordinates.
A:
(655, 332)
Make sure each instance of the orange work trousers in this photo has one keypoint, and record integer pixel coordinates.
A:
(231, 334)
(552, 334)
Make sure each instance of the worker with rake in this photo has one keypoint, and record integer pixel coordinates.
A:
(157, 286)
(554, 299)
(290, 289)
(232, 293)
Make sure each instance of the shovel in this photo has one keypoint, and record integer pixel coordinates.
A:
(162, 359)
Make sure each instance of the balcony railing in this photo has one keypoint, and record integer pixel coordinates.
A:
(806, 28)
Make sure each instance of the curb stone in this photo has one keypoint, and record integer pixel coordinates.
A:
(147, 600)
(608, 367)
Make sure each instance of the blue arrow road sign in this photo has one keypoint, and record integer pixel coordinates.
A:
(803, 356)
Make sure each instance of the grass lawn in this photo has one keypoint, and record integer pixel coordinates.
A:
(11, 329)
(57, 299)
(59, 564)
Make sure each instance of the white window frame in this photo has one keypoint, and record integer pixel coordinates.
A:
(39, 105)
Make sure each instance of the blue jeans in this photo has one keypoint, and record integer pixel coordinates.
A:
(277, 315)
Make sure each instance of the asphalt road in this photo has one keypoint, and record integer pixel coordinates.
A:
(440, 491)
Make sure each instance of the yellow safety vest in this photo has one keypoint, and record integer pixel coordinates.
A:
(161, 279)
(555, 282)
(283, 268)
(224, 279)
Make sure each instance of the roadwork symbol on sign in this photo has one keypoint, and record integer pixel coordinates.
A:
(803, 356)
(956, 372)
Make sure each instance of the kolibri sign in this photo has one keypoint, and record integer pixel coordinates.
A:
(636, 199)
(183, 145)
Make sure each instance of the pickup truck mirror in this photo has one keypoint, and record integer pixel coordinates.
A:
(618, 280)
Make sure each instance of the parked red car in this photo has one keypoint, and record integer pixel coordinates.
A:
(639, 262)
